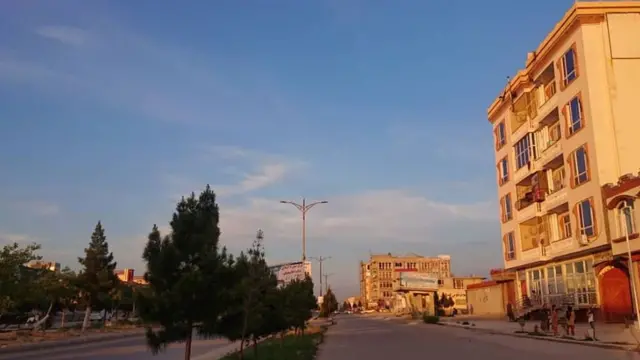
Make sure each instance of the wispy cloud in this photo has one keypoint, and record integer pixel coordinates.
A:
(65, 34)
(124, 69)
(8, 238)
(38, 208)
(250, 170)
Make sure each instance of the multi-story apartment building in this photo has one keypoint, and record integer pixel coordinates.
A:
(378, 277)
(564, 126)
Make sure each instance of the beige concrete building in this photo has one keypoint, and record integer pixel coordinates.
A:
(564, 126)
(378, 276)
(42, 264)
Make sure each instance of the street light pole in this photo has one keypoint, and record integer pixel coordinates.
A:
(303, 209)
(320, 259)
(326, 282)
(626, 211)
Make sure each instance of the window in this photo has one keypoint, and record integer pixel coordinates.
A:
(574, 115)
(555, 281)
(507, 207)
(626, 225)
(557, 179)
(524, 150)
(503, 171)
(580, 282)
(500, 134)
(458, 284)
(554, 133)
(568, 66)
(586, 218)
(564, 221)
(509, 246)
(579, 166)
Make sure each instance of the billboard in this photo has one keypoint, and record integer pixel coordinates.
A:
(285, 273)
(418, 281)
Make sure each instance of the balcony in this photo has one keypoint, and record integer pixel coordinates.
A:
(560, 246)
(556, 198)
(522, 173)
(530, 211)
(546, 89)
(553, 150)
(532, 254)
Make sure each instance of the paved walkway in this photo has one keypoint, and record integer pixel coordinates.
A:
(609, 333)
(356, 337)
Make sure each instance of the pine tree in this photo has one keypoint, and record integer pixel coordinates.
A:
(187, 275)
(97, 278)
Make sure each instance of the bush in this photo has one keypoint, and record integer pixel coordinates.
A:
(430, 319)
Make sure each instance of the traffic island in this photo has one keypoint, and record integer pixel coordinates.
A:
(290, 347)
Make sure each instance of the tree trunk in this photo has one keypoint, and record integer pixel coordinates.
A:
(44, 319)
(85, 321)
(255, 348)
(242, 348)
(187, 347)
(64, 313)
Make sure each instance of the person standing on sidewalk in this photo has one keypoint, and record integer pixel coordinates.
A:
(554, 320)
(592, 322)
(571, 321)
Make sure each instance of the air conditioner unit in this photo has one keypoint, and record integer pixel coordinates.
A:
(583, 240)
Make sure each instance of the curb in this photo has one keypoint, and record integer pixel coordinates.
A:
(546, 338)
(83, 339)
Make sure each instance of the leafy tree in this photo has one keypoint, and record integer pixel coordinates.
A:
(57, 290)
(13, 287)
(436, 304)
(300, 303)
(345, 306)
(359, 304)
(329, 304)
(187, 275)
(66, 292)
(443, 301)
(450, 301)
(255, 284)
(97, 278)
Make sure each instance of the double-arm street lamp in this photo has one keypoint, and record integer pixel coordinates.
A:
(304, 207)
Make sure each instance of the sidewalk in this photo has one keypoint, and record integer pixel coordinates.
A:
(81, 339)
(607, 334)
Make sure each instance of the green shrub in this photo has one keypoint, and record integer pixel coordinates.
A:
(431, 319)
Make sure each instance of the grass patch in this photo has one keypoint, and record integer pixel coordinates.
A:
(292, 347)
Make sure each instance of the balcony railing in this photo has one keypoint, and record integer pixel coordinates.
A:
(556, 197)
(561, 245)
(551, 152)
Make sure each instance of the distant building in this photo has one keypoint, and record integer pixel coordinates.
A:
(128, 276)
(41, 264)
(379, 276)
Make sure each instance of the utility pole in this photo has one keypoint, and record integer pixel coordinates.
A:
(326, 282)
(320, 260)
(303, 209)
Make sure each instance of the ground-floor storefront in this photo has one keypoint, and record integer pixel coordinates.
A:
(598, 280)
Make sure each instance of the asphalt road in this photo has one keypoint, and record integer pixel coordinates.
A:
(133, 348)
(356, 337)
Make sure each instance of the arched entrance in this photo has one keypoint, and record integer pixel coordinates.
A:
(615, 293)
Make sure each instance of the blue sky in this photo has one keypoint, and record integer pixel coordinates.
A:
(111, 110)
